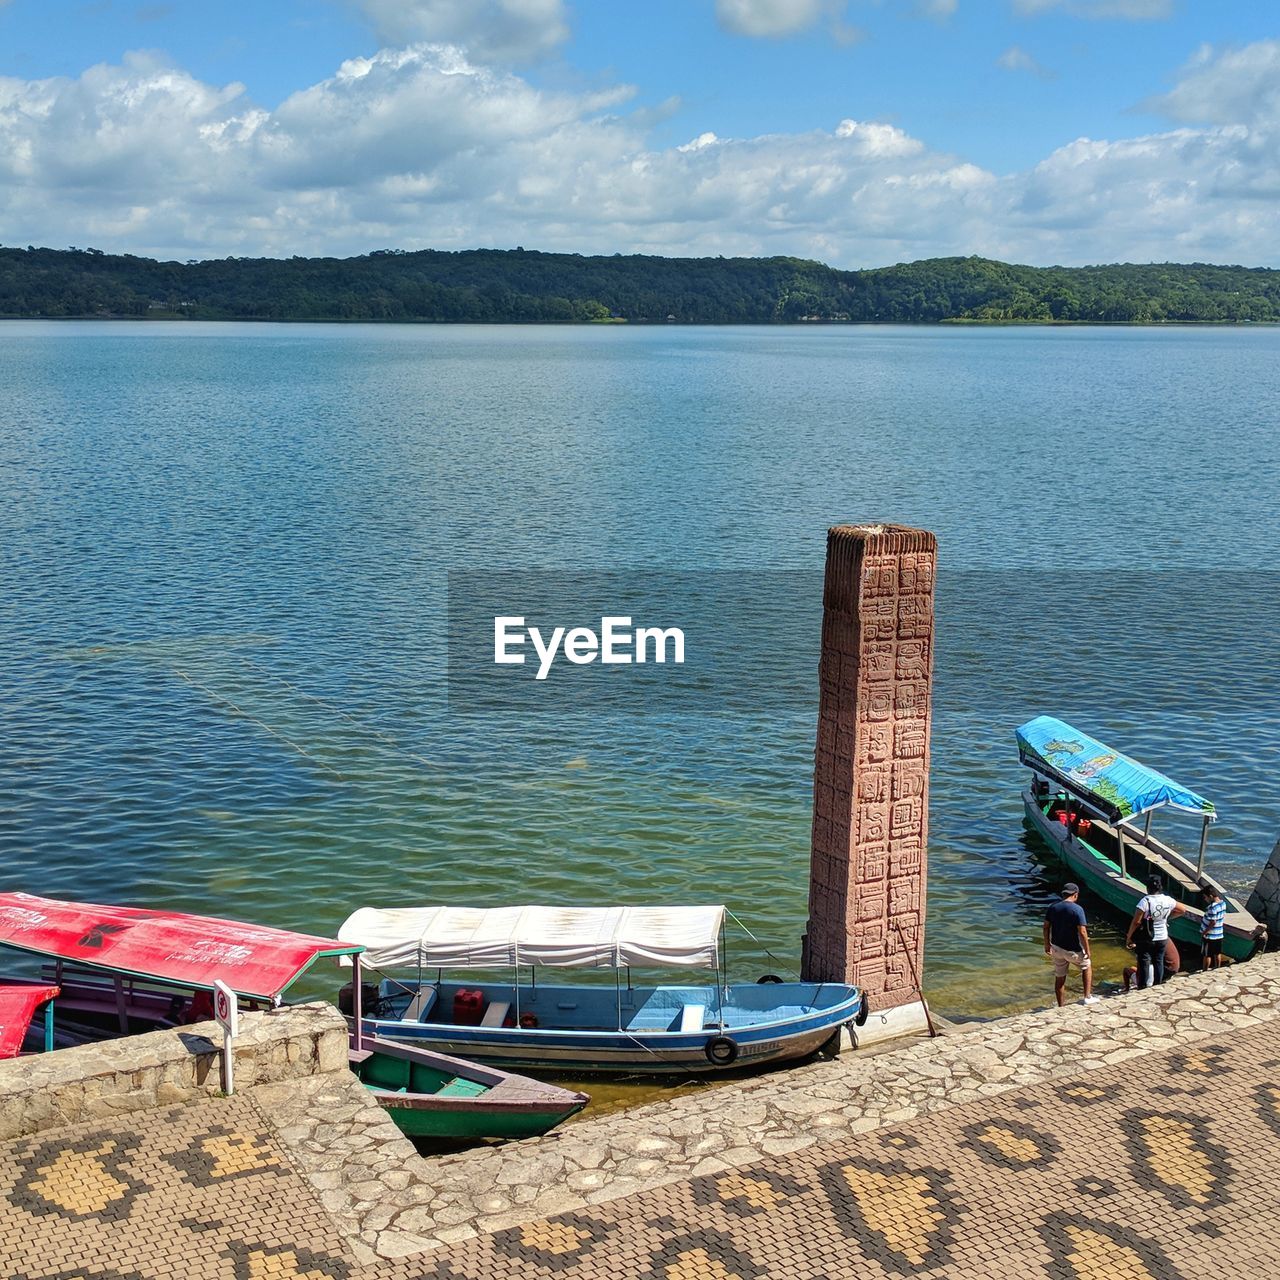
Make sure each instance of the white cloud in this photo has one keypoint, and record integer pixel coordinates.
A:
(769, 19)
(1125, 10)
(491, 30)
(778, 19)
(423, 147)
(1016, 58)
(1235, 86)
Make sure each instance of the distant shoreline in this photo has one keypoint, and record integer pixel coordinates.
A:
(654, 324)
(492, 286)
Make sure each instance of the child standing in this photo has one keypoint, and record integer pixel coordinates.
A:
(1215, 911)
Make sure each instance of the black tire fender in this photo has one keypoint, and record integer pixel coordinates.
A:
(721, 1051)
(766, 979)
(863, 1013)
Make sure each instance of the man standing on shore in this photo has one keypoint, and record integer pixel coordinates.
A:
(1066, 942)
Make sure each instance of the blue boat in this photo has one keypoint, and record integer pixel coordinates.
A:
(583, 1029)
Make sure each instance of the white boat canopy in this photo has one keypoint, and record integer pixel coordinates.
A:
(480, 938)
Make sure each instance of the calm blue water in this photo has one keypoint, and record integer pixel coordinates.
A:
(224, 552)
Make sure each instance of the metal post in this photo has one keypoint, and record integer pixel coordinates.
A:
(617, 991)
(357, 1001)
(1124, 868)
(122, 1006)
(228, 1064)
(48, 1027)
(1146, 826)
(1204, 840)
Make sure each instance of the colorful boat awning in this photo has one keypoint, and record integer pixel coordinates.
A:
(18, 1005)
(166, 946)
(1110, 782)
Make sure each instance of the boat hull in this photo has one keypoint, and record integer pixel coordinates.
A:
(1102, 878)
(431, 1095)
(571, 1051)
(416, 1119)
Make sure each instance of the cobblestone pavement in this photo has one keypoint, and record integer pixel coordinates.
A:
(192, 1191)
(1138, 1138)
(1163, 1170)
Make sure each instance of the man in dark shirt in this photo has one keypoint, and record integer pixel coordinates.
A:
(1066, 942)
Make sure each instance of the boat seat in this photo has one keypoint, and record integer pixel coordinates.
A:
(459, 1088)
(692, 1017)
(495, 1015)
(422, 1003)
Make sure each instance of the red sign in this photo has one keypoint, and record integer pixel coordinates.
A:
(226, 1009)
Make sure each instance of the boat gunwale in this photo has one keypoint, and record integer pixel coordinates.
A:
(823, 1016)
(412, 1101)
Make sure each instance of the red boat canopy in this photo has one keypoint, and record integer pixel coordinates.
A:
(18, 1005)
(167, 946)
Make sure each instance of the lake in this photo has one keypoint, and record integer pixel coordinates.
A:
(225, 552)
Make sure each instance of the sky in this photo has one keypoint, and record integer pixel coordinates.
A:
(856, 132)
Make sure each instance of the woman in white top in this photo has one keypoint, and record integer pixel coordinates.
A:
(1149, 931)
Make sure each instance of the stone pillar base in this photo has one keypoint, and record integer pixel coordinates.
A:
(889, 1024)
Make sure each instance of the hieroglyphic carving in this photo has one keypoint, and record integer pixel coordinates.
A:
(871, 766)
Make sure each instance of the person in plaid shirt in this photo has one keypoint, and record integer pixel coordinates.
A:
(1215, 910)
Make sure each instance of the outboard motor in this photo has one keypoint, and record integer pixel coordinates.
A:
(368, 999)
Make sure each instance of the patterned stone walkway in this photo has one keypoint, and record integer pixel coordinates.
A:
(194, 1191)
(1162, 1167)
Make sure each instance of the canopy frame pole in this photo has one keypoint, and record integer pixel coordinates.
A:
(1146, 825)
(48, 1026)
(122, 1005)
(1124, 864)
(1204, 841)
(515, 986)
(357, 1000)
(722, 975)
(617, 990)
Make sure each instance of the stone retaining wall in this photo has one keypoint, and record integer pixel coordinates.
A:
(94, 1081)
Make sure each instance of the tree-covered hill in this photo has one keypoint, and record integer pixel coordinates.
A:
(518, 286)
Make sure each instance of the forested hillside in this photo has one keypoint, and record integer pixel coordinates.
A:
(518, 286)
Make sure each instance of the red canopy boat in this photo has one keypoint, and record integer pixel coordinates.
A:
(191, 951)
(18, 1005)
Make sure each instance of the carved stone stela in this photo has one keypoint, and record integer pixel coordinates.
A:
(871, 766)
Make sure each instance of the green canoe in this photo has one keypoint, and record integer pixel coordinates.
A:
(432, 1095)
(1092, 860)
